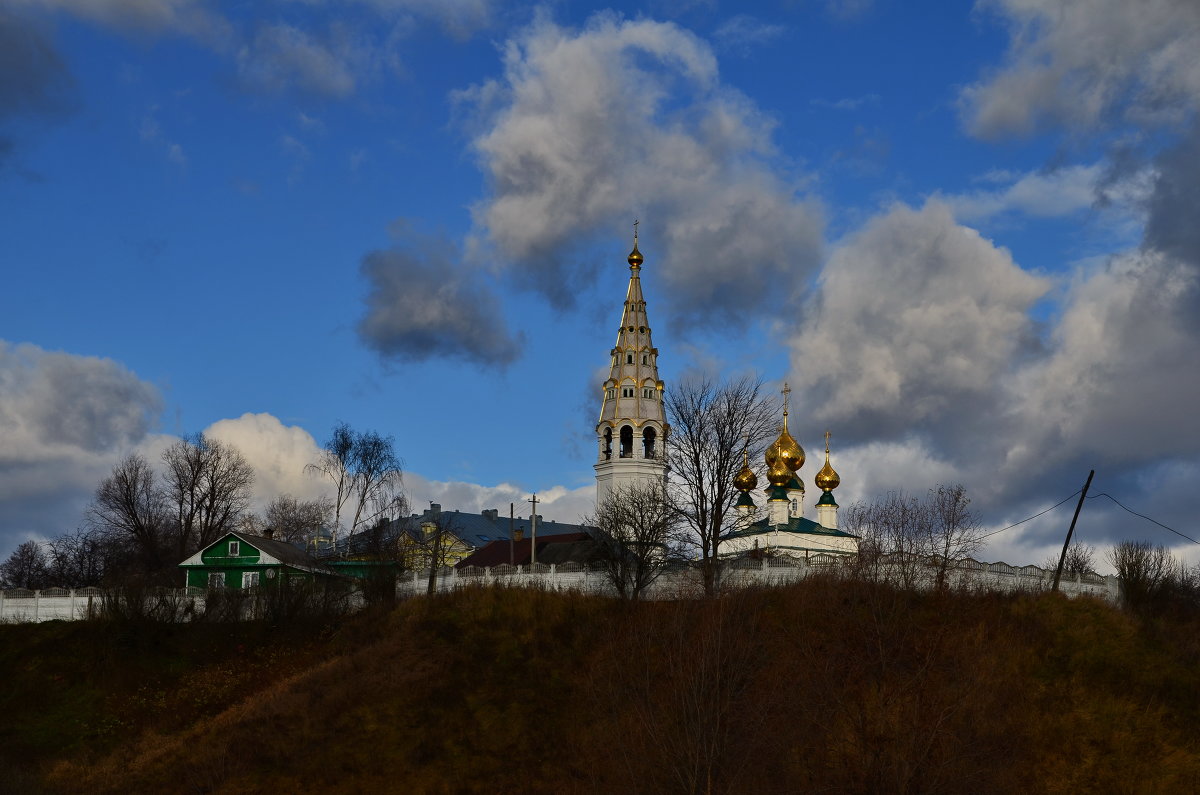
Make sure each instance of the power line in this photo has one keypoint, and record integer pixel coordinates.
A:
(1036, 515)
(1142, 515)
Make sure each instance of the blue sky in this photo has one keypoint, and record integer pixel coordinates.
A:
(964, 235)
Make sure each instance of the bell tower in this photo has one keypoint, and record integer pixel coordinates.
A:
(632, 431)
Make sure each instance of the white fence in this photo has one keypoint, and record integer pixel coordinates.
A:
(745, 572)
(17, 605)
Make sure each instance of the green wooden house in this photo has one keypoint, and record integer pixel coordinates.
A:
(241, 560)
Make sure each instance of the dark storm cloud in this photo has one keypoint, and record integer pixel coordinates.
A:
(34, 81)
(422, 304)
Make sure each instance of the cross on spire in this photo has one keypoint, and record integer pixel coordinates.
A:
(787, 390)
(827, 442)
(635, 223)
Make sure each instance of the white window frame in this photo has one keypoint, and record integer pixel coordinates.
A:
(249, 579)
(216, 579)
(235, 549)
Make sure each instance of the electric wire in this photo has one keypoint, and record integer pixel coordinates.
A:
(1143, 516)
(1023, 521)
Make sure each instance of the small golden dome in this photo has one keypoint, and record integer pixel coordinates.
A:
(827, 479)
(635, 257)
(772, 454)
(745, 480)
(779, 474)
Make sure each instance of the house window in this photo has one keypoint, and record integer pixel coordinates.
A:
(250, 579)
(234, 549)
(216, 579)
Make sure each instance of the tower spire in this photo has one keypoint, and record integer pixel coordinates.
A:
(632, 428)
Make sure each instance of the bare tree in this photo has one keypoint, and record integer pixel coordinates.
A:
(636, 534)
(366, 474)
(207, 486)
(26, 567)
(710, 425)
(1080, 560)
(80, 559)
(130, 510)
(952, 530)
(295, 520)
(902, 536)
(1146, 572)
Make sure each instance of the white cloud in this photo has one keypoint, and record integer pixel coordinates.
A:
(1121, 380)
(278, 454)
(560, 503)
(742, 32)
(916, 316)
(589, 129)
(281, 56)
(1084, 63)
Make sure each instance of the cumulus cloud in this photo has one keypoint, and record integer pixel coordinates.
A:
(422, 304)
(64, 419)
(916, 317)
(1119, 385)
(589, 129)
(278, 454)
(1087, 64)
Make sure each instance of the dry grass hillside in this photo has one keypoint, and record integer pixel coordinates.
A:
(827, 685)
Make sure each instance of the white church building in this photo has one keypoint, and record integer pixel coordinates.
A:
(632, 435)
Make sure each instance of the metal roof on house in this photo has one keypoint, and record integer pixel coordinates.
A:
(481, 529)
(500, 552)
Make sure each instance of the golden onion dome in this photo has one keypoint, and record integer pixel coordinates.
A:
(827, 479)
(790, 450)
(772, 454)
(778, 474)
(635, 256)
(745, 480)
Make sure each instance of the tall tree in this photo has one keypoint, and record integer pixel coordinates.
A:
(26, 567)
(366, 475)
(130, 510)
(207, 486)
(637, 536)
(295, 520)
(711, 423)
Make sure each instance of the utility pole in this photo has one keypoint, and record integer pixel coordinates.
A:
(1067, 543)
(512, 555)
(533, 531)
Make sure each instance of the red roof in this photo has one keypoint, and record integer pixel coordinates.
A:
(498, 553)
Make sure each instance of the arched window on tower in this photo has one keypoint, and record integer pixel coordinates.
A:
(626, 441)
(607, 444)
(629, 358)
(645, 359)
(648, 438)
